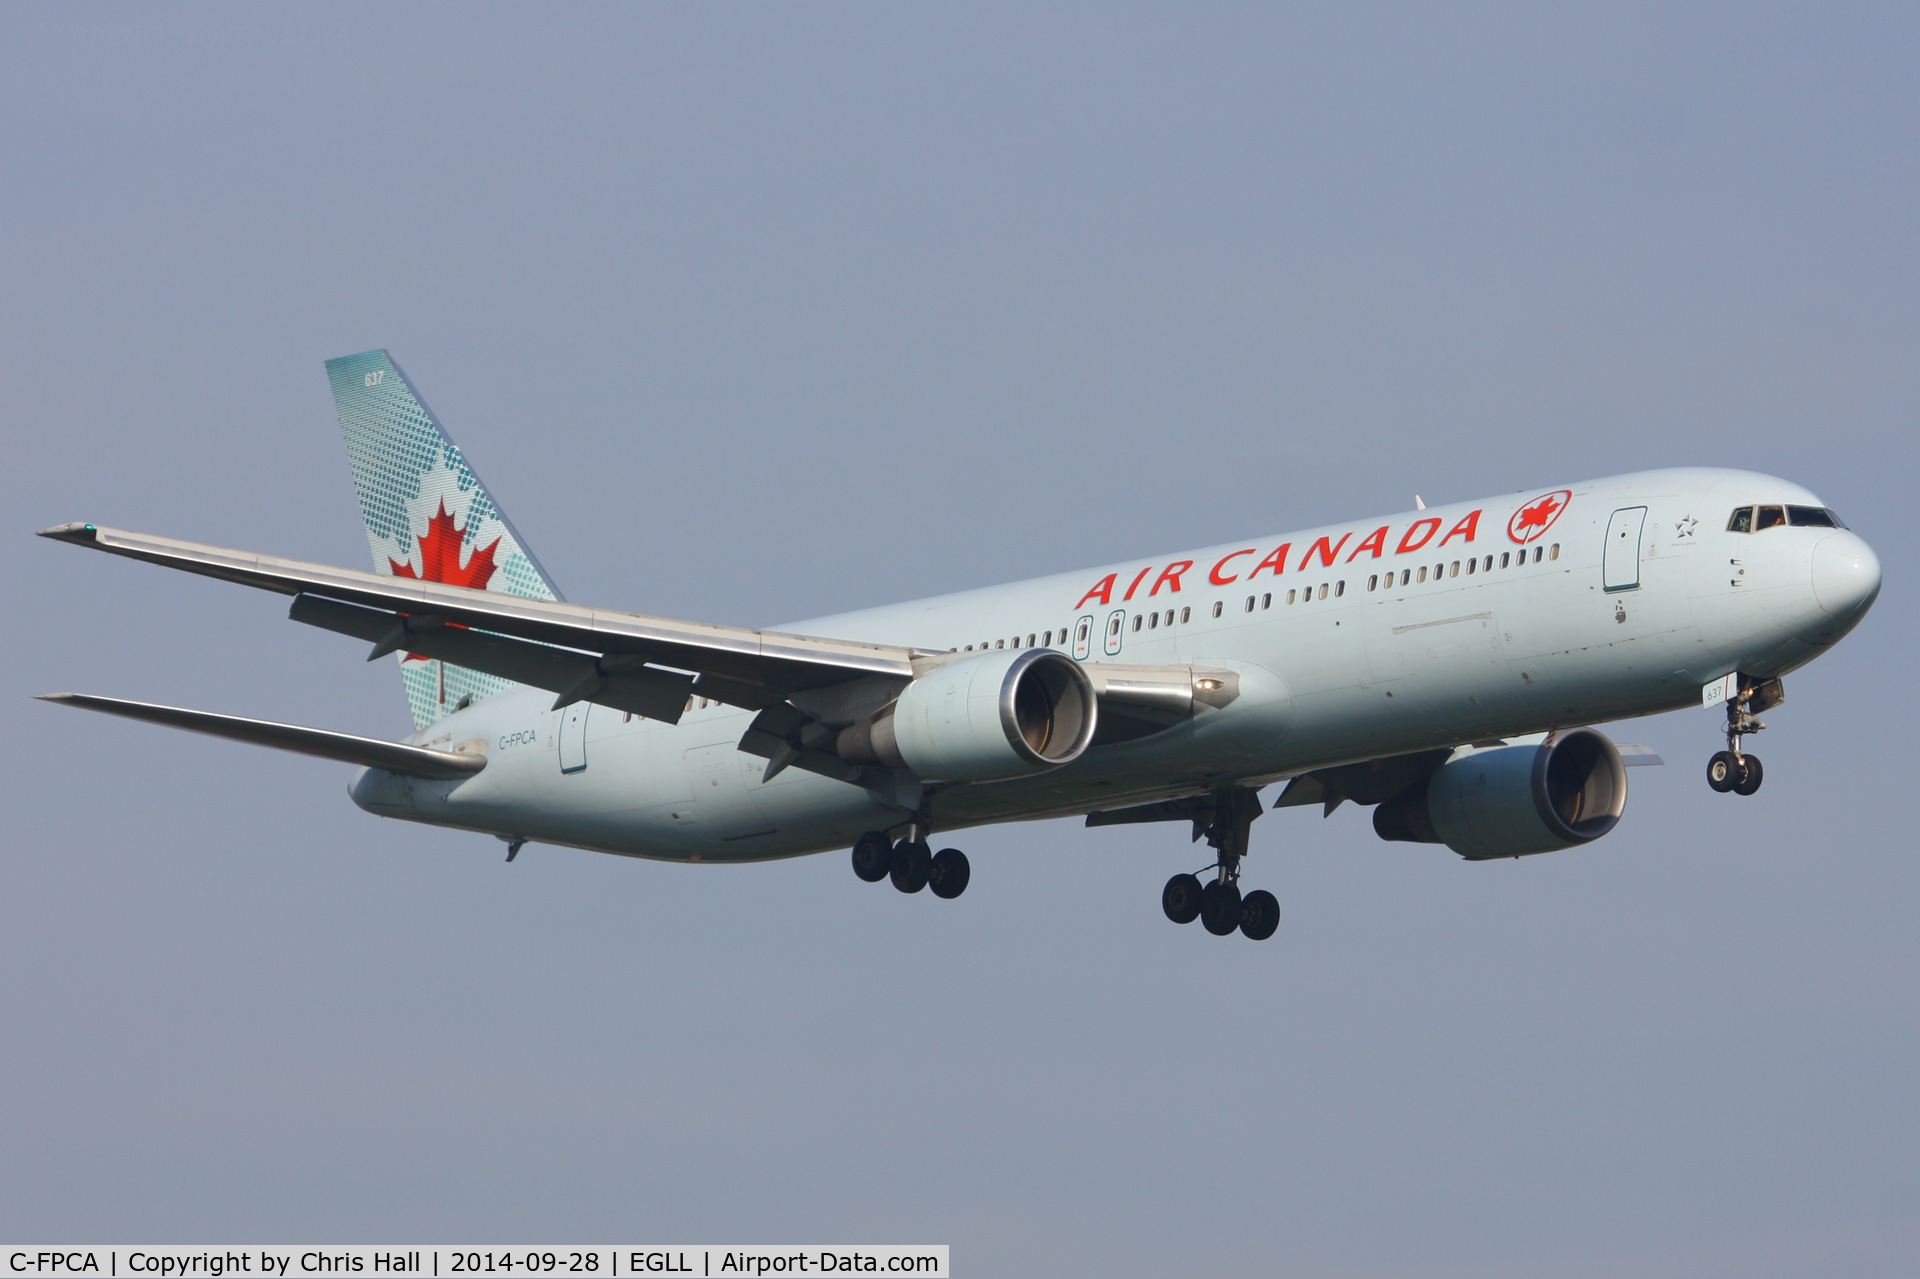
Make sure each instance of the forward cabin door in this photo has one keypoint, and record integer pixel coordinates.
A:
(1620, 565)
(573, 737)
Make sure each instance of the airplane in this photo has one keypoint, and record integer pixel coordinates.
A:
(1442, 666)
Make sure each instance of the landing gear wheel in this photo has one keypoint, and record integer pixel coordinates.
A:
(911, 864)
(1750, 775)
(1259, 914)
(1220, 907)
(872, 856)
(1181, 898)
(948, 873)
(1723, 771)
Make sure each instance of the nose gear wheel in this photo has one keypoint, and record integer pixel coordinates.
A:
(1733, 770)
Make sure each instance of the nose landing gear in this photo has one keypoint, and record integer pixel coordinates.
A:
(1219, 906)
(1732, 769)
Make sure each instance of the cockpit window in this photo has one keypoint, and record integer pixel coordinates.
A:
(1811, 517)
(1770, 517)
(1742, 521)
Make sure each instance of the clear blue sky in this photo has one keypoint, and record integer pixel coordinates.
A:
(753, 313)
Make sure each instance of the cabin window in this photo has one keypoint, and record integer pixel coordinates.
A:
(1503, 558)
(1218, 605)
(1553, 552)
(1455, 571)
(1266, 601)
(1291, 596)
(1323, 590)
(1153, 619)
(1488, 566)
(1085, 625)
(1373, 582)
(1439, 571)
(1742, 521)
(1423, 574)
(969, 648)
(1030, 640)
(1771, 517)
(1810, 517)
(1406, 576)
(1471, 565)
(1249, 607)
(999, 643)
(1046, 639)
(1169, 617)
(1186, 615)
(689, 703)
(1113, 627)
(626, 717)
(1136, 621)
(1339, 589)
(1538, 551)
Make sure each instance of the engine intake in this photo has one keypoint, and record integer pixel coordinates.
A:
(1513, 800)
(986, 718)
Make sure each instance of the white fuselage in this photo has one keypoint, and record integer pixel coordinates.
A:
(1333, 665)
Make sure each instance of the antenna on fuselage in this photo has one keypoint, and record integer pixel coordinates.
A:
(1418, 505)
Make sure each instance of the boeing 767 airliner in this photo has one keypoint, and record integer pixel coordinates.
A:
(1442, 665)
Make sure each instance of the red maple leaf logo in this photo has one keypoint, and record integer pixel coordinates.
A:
(1531, 521)
(1537, 516)
(440, 556)
(440, 559)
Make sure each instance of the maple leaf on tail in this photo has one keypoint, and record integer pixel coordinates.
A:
(440, 559)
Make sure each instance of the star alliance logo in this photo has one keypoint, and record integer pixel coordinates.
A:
(1685, 526)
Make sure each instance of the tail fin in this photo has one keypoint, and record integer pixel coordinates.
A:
(427, 515)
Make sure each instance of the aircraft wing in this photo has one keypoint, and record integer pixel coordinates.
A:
(649, 665)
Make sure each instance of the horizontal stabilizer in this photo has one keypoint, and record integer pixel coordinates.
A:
(369, 752)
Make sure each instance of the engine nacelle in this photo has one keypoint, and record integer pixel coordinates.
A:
(1512, 800)
(986, 718)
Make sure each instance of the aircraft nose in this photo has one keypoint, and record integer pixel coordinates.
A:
(1846, 575)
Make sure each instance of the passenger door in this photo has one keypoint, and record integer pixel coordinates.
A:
(1620, 563)
(573, 737)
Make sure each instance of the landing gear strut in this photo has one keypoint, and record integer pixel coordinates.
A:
(1219, 906)
(910, 863)
(1732, 769)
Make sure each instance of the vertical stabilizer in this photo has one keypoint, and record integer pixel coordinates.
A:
(427, 515)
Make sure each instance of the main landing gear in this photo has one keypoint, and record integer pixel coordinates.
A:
(1220, 906)
(1732, 769)
(911, 864)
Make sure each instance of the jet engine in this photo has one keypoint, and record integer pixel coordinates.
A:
(984, 718)
(1512, 799)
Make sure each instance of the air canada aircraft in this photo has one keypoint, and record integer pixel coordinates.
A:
(1443, 666)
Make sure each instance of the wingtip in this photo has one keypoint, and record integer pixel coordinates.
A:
(56, 697)
(77, 532)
